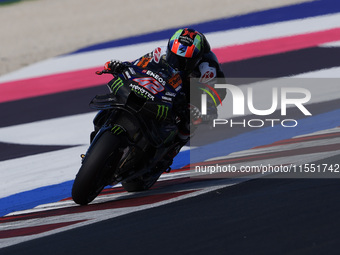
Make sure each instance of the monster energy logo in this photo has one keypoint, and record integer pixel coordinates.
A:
(116, 85)
(117, 130)
(162, 112)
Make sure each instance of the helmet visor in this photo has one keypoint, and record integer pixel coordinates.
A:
(181, 63)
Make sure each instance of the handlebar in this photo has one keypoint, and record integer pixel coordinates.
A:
(103, 72)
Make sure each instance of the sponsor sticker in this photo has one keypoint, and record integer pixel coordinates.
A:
(175, 81)
(157, 54)
(144, 62)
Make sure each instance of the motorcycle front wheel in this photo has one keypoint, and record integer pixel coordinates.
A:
(97, 167)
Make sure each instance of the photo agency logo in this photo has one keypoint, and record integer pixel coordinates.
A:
(243, 103)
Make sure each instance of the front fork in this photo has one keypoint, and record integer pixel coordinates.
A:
(98, 121)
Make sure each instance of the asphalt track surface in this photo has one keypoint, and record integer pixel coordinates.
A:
(261, 216)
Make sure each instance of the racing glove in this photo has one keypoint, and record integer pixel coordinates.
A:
(187, 126)
(114, 66)
(195, 115)
(211, 113)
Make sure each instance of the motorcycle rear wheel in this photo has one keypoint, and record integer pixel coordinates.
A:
(94, 173)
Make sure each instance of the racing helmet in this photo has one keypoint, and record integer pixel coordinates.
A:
(185, 49)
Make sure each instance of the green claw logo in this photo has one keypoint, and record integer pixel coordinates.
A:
(117, 130)
(162, 112)
(116, 85)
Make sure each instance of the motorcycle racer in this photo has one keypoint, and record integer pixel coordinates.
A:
(148, 116)
(188, 52)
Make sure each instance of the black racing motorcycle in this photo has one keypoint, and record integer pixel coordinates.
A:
(135, 130)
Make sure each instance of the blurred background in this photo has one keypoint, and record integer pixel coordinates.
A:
(33, 30)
